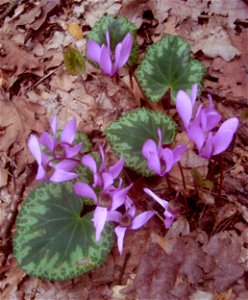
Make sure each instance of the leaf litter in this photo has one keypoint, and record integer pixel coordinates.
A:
(203, 258)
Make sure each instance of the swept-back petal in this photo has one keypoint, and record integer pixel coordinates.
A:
(120, 233)
(116, 169)
(154, 163)
(178, 152)
(108, 180)
(207, 149)
(224, 135)
(47, 140)
(34, 147)
(105, 61)
(114, 216)
(119, 197)
(141, 219)
(168, 158)
(89, 161)
(197, 135)
(84, 190)
(72, 151)
(41, 173)
(60, 175)
(184, 107)
(69, 132)
(99, 219)
(123, 51)
(149, 147)
(66, 165)
(93, 51)
(162, 202)
(53, 125)
(108, 40)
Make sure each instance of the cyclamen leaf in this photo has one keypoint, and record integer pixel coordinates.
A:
(167, 65)
(74, 61)
(52, 240)
(117, 28)
(128, 134)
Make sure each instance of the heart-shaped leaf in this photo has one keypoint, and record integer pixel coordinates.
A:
(128, 134)
(167, 65)
(74, 61)
(54, 240)
(117, 28)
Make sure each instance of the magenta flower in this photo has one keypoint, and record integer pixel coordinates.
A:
(109, 62)
(55, 158)
(108, 199)
(161, 160)
(169, 216)
(199, 129)
(128, 220)
(103, 177)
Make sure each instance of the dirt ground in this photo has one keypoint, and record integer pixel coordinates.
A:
(204, 255)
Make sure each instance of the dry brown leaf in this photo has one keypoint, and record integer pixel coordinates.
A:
(75, 30)
(11, 60)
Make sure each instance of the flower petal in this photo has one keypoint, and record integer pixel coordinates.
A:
(114, 216)
(197, 135)
(141, 219)
(194, 94)
(178, 152)
(69, 132)
(72, 151)
(154, 163)
(53, 125)
(120, 233)
(66, 165)
(93, 51)
(116, 169)
(89, 161)
(184, 107)
(119, 197)
(224, 135)
(60, 175)
(105, 61)
(107, 180)
(168, 157)
(34, 147)
(99, 219)
(84, 190)
(162, 202)
(149, 147)
(123, 51)
(47, 140)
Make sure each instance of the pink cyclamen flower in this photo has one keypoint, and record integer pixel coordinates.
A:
(108, 200)
(161, 160)
(103, 177)
(55, 157)
(109, 62)
(169, 216)
(127, 221)
(199, 129)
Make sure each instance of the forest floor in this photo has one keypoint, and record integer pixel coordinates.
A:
(204, 255)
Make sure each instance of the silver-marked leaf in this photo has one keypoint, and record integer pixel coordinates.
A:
(128, 134)
(74, 61)
(53, 239)
(117, 28)
(167, 66)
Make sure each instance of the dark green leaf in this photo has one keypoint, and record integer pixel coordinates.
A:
(128, 134)
(52, 240)
(74, 61)
(167, 65)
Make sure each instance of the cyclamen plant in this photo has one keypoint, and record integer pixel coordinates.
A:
(85, 238)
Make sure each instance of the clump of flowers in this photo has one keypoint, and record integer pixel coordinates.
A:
(56, 157)
(200, 129)
(110, 62)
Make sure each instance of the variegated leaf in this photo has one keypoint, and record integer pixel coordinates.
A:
(54, 240)
(167, 66)
(128, 134)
